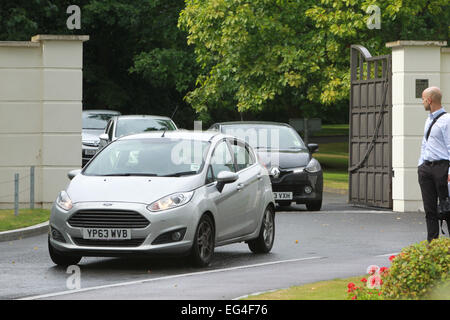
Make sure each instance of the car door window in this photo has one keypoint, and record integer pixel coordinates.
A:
(242, 156)
(221, 159)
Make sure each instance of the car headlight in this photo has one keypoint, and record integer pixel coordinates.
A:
(313, 166)
(172, 201)
(63, 201)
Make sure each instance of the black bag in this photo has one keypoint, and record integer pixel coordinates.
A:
(444, 212)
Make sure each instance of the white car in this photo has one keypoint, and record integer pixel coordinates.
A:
(177, 192)
(94, 123)
(131, 124)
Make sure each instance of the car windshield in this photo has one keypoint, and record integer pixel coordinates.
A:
(149, 157)
(266, 136)
(95, 120)
(131, 126)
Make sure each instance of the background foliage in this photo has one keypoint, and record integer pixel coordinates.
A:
(249, 59)
(254, 54)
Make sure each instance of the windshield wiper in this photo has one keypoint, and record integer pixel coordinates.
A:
(179, 174)
(129, 174)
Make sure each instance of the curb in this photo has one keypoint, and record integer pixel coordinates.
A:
(24, 232)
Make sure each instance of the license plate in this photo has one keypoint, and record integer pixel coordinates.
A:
(90, 152)
(282, 195)
(106, 234)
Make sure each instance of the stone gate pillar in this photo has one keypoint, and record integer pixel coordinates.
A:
(40, 114)
(415, 66)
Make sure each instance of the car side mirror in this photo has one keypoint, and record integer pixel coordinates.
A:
(313, 147)
(225, 177)
(73, 173)
(104, 137)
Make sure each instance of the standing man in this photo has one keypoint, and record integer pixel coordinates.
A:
(433, 171)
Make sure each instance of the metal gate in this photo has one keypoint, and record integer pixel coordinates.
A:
(370, 157)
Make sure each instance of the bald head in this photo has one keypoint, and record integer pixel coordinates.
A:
(434, 93)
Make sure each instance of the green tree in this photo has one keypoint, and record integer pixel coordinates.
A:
(136, 61)
(253, 53)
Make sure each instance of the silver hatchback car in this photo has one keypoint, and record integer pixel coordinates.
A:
(177, 192)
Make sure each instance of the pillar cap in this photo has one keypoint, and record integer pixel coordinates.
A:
(59, 37)
(415, 43)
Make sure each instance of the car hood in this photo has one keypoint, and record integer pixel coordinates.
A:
(128, 189)
(91, 135)
(284, 159)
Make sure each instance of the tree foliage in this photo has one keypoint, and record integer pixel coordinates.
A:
(256, 59)
(136, 61)
(252, 52)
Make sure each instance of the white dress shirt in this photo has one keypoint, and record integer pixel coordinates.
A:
(438, 145)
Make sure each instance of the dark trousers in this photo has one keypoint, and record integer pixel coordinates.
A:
(433, 184)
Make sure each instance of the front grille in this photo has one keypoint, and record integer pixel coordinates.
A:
(121, 219)
(108, 243)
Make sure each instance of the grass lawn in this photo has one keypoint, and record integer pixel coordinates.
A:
(332, 130)
(25, 218)
(335, 179)
(333, 158)
(324, 290)
(331, 290)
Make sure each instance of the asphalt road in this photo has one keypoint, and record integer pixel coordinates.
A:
(339, 241)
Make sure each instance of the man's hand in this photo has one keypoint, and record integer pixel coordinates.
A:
(448, 178)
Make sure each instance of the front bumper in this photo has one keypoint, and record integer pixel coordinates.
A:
(288, 181)
(160, 223)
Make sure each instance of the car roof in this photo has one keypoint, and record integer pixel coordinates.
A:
(98, 111)
(263, 123)
(182, 134)
(142, 116)
(175, 134)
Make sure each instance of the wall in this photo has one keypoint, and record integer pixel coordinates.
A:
(412, 60)
(40, 115)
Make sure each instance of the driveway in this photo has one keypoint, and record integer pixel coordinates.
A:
(339, 241)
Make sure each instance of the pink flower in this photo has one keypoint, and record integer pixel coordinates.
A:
(373, 269)
(363, 280)
(374, 282)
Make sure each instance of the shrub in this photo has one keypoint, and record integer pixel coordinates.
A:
(418, 270)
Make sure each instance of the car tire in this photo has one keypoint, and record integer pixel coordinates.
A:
(204, 243)
(266, 237)
(62, 259)
(315, 205)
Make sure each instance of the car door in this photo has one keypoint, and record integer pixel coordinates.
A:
(230, 202)
(250, 181)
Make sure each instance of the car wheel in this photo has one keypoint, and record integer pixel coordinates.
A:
(315, 205)
(203, 247)
(264, 242)
(60, 258)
